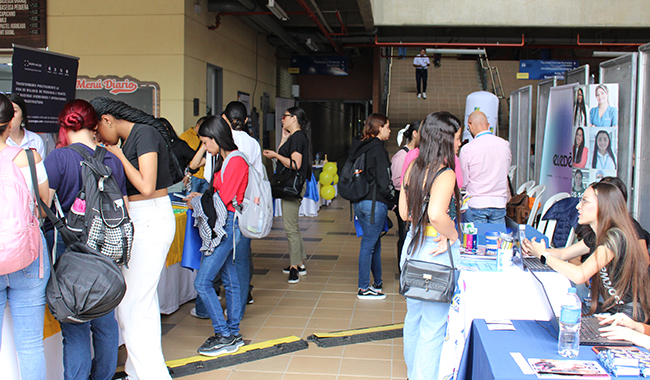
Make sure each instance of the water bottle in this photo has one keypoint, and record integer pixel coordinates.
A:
(568, 343)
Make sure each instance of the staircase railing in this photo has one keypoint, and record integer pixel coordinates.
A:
(491, 72)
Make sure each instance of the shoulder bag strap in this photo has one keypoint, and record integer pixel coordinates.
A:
(81, 150)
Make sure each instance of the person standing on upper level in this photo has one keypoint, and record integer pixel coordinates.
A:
(421, 63)
(485, 162)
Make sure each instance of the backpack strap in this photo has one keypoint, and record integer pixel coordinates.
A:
(81, 150)
(10, 152)
(235, 153)
(32, 169)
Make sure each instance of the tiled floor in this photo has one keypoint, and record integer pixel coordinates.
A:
(323, 301)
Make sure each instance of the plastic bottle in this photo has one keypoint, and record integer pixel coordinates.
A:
(568, 343)
(317, 161)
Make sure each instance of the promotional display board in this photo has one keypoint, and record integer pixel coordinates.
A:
(46, 81)
(544, 69)
(320, 65)
(485, 102)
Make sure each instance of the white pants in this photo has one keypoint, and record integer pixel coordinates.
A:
(139, 313)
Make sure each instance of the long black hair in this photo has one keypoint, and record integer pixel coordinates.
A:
(236, 114)
(6, 112)
(216, 128)
(577, 150)
(580, 109)
(20, 102)
(305, 126)
(594, 160)
(437, 134)
(122, 111)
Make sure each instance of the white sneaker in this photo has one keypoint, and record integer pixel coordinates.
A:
(419, 96)
(193, 313)
(424, 95)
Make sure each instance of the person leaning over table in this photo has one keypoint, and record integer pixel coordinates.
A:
(618, 267)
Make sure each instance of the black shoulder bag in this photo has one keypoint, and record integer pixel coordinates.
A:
(287, 182)
(427, 281)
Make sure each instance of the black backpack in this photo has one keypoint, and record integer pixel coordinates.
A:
(353, 183)
(98, 216)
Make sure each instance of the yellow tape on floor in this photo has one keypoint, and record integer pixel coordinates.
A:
(360, 331)
(242, 349)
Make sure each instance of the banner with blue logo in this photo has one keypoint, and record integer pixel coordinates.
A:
(321, 65)
(543, 69)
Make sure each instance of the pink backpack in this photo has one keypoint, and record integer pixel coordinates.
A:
(20, 235)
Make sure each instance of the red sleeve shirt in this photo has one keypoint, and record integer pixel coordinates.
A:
(235, 180)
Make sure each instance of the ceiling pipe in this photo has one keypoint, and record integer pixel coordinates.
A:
(435, 44)
(320, 15)
(344, 30)
(600, 44)
(320, 26)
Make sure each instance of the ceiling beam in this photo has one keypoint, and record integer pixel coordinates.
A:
(365, 9)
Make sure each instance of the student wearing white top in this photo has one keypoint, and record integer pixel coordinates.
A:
(19, 135)
(421, 63)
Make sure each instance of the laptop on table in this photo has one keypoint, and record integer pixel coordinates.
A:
(589, 328)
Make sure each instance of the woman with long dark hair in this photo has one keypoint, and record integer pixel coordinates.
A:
(78, 123)
(20, 136)
(579, 110)
(430, 197)
(24, 289)
(372, 210)
(618, 267)
(412, 136)
(144, 153)
(230, 182)
(603, 157)
(580, 151)
(294, 151)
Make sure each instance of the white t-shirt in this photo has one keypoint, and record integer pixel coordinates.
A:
(421, 61)
(30, 140)
(246, 144)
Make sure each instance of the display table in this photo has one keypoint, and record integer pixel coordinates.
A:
(495, 295)
(488, 352)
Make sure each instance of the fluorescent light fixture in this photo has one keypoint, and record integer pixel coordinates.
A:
(277, 10)
(612, 54)
(310, 44)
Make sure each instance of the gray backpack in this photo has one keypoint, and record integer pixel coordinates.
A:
(255, 211)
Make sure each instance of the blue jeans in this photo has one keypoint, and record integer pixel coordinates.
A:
(485, 215)
(370, 247)
(25, 293)
(221, 261)
(198, 185)
(425, 323)
(78, 362)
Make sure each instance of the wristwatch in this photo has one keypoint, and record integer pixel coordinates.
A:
(542, 258)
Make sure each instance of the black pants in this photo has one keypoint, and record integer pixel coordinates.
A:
(421, 76)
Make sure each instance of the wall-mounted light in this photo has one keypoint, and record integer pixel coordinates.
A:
(310, 44)
(277, 10)
(611, 54)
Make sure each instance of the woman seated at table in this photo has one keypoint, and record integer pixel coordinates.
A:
(618, 267)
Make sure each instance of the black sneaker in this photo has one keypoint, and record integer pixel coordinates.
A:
(239, 340)
(301, 270)
(218, 344)
(294, 278)
(250, 298)
(370, 294)
(377, 287)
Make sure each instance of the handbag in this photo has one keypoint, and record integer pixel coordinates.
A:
(424, 280)
(287, 182)
(192, 244)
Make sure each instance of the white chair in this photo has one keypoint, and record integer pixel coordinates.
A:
(547, 227)
(511, 173)
(536, 192)
(526, 186)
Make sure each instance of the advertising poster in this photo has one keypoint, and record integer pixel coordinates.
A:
(46, 81)
(544, 69)
(595, 135)
(144, 96)
(557, 154)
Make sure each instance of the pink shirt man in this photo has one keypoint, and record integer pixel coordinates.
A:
(485, 162)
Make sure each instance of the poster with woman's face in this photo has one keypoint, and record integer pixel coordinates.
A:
(580, 108)
(580, 148)
(603, 148)
(579, 182)
(597, 175)
(603, 105)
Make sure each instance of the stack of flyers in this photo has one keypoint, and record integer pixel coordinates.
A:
(623, 361)
(567, 369)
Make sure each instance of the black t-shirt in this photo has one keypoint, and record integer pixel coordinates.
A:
(590, 238)
(146, 139)
(297, 142)
(184, 154)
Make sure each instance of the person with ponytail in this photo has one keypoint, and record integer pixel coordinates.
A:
(230, 183)
(78, 123)
(412, 136)
(144, 153)
(24, 289)
(430, 178)
(294, 151)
